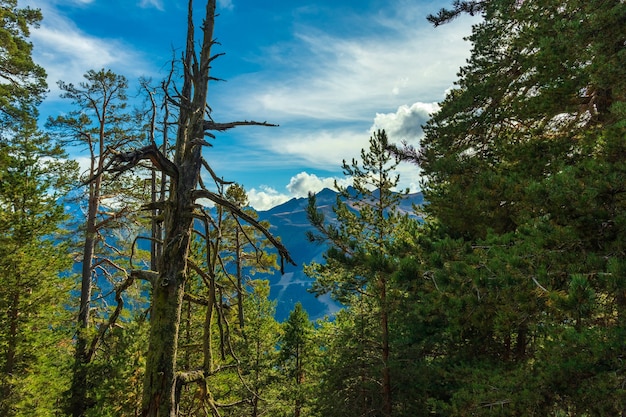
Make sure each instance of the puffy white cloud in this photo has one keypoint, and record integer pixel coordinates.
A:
(266, 198)
(406, 123)
(301, 184)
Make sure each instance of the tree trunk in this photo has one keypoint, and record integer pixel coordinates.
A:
(384, 316)
(78, 397)
(159, 397)
(238, 261)
(11, 350)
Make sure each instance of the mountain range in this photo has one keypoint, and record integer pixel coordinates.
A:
(289, 222)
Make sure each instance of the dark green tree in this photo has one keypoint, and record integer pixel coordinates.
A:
(32, 260)
(22, 81)
(348, 383)
(523, 180)
(297, 359)
(34, 174)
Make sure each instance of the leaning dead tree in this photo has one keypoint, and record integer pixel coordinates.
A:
(177, 212)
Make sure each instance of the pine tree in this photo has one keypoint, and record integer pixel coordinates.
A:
(102, 124)
(297, 358)
(22, 81)
(358, 261)
(33, 176)
(524, 184)
(32, 261)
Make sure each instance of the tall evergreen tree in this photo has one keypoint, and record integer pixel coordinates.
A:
(32, 260)
(101, 123)
(524, 182)
(33, 176)
(22, 81)
(358, 261)
(297, 358)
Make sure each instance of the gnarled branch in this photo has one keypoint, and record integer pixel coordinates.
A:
(238, 212)
(123, 161)
(222, 127)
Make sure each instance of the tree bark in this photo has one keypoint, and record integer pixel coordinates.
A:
(159, 397)
(384, 316)
(78, 400)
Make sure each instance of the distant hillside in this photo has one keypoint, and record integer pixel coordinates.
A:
(289, 221)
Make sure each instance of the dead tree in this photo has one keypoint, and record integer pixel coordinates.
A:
(183, 168)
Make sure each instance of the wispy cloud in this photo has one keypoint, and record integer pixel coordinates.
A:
(335, 78)
(157, 4)
(66, 52)
(225, 4)
(328, 86)
(330, 91)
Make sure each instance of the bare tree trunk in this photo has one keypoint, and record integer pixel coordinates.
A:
(159, 398)
(163, 381)
(238, 261)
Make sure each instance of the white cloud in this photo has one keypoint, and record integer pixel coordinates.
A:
(225, 4)
(343, 78)
(406, 123)
(67, 53)
(157, 4)
(301, 184)
(266, 198)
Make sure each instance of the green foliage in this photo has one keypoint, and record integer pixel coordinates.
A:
(117, 372)
(33, 257)
(519, 294)
(360, 262)
(297, 360)
(22, 82)
(509, 300)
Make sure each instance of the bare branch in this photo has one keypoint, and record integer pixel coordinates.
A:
(218, 180)
(222, 127)
(112, 318)
(145, 275)
(237, 211)
(124, 161)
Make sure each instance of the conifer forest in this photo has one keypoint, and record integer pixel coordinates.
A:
(504, 294)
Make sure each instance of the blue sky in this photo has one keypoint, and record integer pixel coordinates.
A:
(327, 71)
